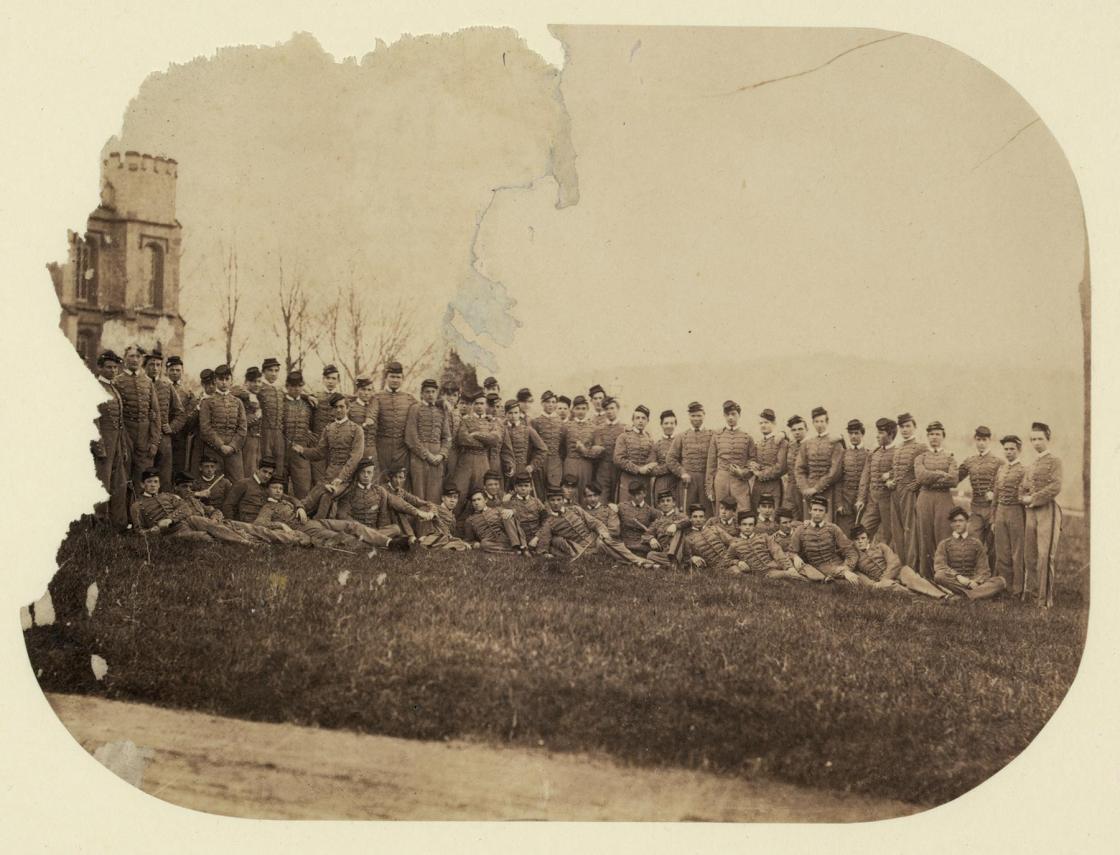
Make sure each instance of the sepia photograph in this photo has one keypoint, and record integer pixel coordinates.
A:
(691, 425)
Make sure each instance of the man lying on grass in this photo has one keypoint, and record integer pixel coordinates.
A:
(877, 566)
(755, 551)
(371, 512)
(705, 546)
(492, 529)
(170, 515)
(572, 530)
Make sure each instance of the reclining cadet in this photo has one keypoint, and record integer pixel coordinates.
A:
(705, 546)
(878, 566)
(666, 533)
(371, 512)
(492, 529)
(572, 530)
(169, 515)
(284, 515)
(446, 532)
(755, 551)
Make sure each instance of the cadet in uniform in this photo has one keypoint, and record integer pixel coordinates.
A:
(822, 546)
(772, 453)
(792, 498)
(688, 459)
(635, 517)
(609, 429)
(663, 477)
(206, 379)
(478, 433)
(877, 566)
(524, 403)
(141, 413)
(270, 396)
(211, 486)
(251, 450)
(563, 407)
(818, 464)
(548, 427)
(726, 516)
(936, 474)
(571, 530)
(185, 405)
(1010, 522)
(597, 395)
(528, 510)
(705, 546)
(874, 494)
(522, 448)
(427, 435)
(961, 562)
(852, 464)
(372, 512)
(322, 415)
(360, 409)
(387, 412)
(492, 529)
(110, 449)
(168, 412)
(666, 535)
(980, 469)
(904, 491)
(766, 520)
(296, 419)
(170, 515)
(1038, 492)
(446, 532)
(754, 551)
(340, 448)
(577, 441)
(730, 455)
(634, 456)
(606, 513)
(223, 425)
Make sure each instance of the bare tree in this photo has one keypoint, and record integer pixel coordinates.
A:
(296, 325)
(229, 294)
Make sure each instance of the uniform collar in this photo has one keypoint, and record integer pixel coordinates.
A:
(957, 536)
(103, 380)
(1015, 462)
(1042, 454)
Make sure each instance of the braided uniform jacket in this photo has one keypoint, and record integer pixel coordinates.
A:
(372, 506)
(731, 526)
(607, 436)
(388, 411)
(446, 522)
(529, 512)
(1042, 481)
(141, 408)
(871, 485)
(186, 405)
(852, 465)
(253, 417)
(170, 406)
(1008, 481)
(964, 556)
(149, 510)
(521, 446)
(427, 428)
(689, 451)
(633, 450)
(661, 450)
(486, 527)
(818, 463)
(660, 526)
(823, 546)
(772, 454)
(549, 428)
(981, 471)
(322, 414)
(603, 513)
(270, 398)
(110, 412)
(244, 500)
(769, 527)
(580, 431)
(359, 413)
(489, 430)
(573, 524)
(902, 466)
(222, 421)
(785, 541)
(636, 523)
(341, 446)
(282, 510)
(711, 544)
(729, 447)
(760, 552)
(936, 470)
(296, 420)
(878, 562)
(218, 486)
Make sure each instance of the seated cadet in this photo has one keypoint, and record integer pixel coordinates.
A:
(371, 512)
(340, 447)
(569, 486)
(446, 532)
(528, 510)
(280, 515)
(705, 546)
(635, 516)
(960, 562)
(211, 486)
(878, 566)
(606, 514)
(755, 551)
(170, 515)
(244, 500)
(766, 522)
(572, 530)
(250, 533)
(822, 545)
(783, 536)
(492, 487)
(726, 516)
(666, 535)
(398, 475)
(492, 529)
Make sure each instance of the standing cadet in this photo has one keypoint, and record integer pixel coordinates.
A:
(663, 477)
(852, 464)
(477, 434)
(360, 409)
(822, 546)
(522, 448)
(427, 435)
(772, 453)
(597, 396)
(388, 411)
(980, 469)
(296, 414)
(270, 395)
(874, 495)
(961, 562)
(450, 400)
(141, 413)
(493, 404)
(525, 402)
(340, 448)
(792, 497)
(110, 449)
(1010, 522)
(183, 403)
(577, 442)
(223, 425)
(609, 429)
(688, 459)
(194, 428)
(251, 450)
(1038, 491)
(322, 414)
(818, 464)
(490, 386)
(904, 491)
(634, 456)
(730, 454)
(168, 410)
(548, 427)
(563, 407)
(936, 474)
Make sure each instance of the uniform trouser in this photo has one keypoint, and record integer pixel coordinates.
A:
(980, 521)
(364, 533)
(443, 540)
(661, 483)
(931, 519)
(611, 547)
(427, 479)
(1009, 528)
(272, 446)
(197, 446)
(112, 470)
(164, 461)
(319, 501)
(877, 518)
(695, 493)
(1040, 552)
(606, 475)
(625, 479)
(472, 464)
(251, 453)
(791, 497)
(211, 528)
(231, 464)
(907, 581)
(548, 473)
(835, 570)
(727, 486)
(846, 514)
(581, 468)
(180, 452)
(392, 454)
(141, 459)
(297, 469)
(771, 488)
(801, 572)
(905, 531)
(990, 588)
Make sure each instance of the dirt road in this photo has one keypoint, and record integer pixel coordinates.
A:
(250, 769)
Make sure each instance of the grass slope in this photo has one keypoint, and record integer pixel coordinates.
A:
(821, 686)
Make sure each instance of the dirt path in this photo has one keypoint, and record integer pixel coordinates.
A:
(242, 768)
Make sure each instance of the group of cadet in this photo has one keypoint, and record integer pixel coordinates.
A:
(267, 461)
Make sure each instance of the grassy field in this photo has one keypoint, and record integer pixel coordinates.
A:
(822, 686)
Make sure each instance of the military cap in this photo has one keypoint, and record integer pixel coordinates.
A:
(885, 424)
(785, 513)
(476, 491)
(209, 458)
(478, 396)
(696, 407)
(666, 414)
(636, 487)
(252, 373)
(395, 469)
(149, 473)
(206, 375)
(729, 406)
(855, 425)
(548, 395)
(108, 356)
(522, 478)
(270, 362)
(329, 369)
(818, 411)
(449, 387)
(295, 378)
(524, 395)
(794, 420)
(564, 399)
(489, 381)
(664, 494)
(181, 478)
(394, 367)
(728, 502)
(694, 508)
(154, 355)
(450, 490)
(364, 463)
(363, 382)
(643, 409)
(768, 414)
(491, 476)
(578, 400)
(266, 463)
(935, 425)
(1041, 426)
(766, 501)
(856, 532)
(277, 479)
(608, 400)
(1011, 438)
(818, 500)
(493, 397)
(555, 493)
(223, 371)
(593, 488)
(570, 480)
(982, 432)
(173, 361)
(903, 418)
(429, 383)
(595, 390)
(510, 405)
(745, 515)
(958, 512)
(335, 398)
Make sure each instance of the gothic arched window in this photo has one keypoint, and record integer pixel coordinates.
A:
(154, 254)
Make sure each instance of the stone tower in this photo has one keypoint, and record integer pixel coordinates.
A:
(121, 281)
